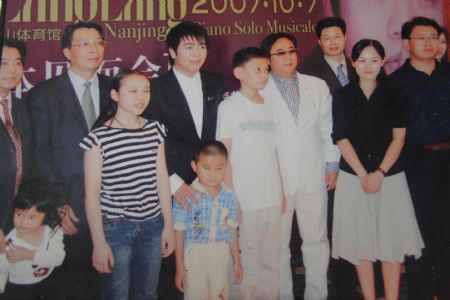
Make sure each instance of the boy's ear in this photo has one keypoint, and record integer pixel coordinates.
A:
(237, 72)
(194, 166)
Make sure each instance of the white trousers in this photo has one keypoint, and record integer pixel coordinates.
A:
(259, 241)
(311, 210)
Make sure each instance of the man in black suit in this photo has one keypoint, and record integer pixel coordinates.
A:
(63, 109)
(336, 69)
(17, 118)
(185, 100)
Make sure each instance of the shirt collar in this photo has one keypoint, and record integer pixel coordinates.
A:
(198, 186)
(183, 78)
(335, 64)
(278, 80)
(78, 81)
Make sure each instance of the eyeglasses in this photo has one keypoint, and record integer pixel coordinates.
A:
(89, 44)
(284, 53)
(423, 38)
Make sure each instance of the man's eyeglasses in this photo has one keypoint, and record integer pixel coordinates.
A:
(88, 44)
(423, 38)
(284, 53)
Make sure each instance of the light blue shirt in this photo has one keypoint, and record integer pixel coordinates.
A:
(210, 220)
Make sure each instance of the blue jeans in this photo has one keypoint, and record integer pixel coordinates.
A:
(136, 247)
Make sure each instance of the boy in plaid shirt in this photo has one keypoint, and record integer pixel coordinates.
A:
(207, 230)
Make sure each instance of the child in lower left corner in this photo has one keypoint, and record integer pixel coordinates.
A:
(207, 232)
(34, 247)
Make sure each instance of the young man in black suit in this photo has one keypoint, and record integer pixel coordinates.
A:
(185, 100)
(336, 69)
(63, 109)
(15, 133)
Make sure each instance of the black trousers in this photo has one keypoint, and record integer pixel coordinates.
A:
(77, 278)
(428, 176)
(47, 289)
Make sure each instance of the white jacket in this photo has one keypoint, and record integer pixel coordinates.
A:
(306, 146)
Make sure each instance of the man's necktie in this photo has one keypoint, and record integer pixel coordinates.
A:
(343, 79)
(87, 104)
(15, 138)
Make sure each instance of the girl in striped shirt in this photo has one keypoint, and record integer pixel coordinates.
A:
(128, 202)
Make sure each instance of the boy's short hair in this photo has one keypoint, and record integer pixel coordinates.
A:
(242, 56)
(408, 27)
(19, 45)
(271, 39)
(184, 30)
(330, 22)
(67, 36)
(211, 148)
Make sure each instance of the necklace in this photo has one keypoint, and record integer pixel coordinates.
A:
(139, 123)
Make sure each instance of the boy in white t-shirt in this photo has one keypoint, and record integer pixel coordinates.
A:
(248, 126)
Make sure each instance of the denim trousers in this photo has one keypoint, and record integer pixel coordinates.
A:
(136, 247)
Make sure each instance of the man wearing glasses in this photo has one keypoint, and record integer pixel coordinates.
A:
(427, 156)
(63, 109)
(308, 161)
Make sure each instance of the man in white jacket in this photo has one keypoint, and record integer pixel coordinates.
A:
(308, 161)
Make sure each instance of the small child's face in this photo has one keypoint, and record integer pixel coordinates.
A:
(28, 221)
(254, 74)
(210, 169)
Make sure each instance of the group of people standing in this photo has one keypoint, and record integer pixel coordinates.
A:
(116, 156)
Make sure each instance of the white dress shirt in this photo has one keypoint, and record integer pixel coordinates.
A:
(78, 85)
(334, 65)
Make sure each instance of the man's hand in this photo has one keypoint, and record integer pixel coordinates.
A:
(16, 254)
(68, 217)
(184, 193)
(330, 180)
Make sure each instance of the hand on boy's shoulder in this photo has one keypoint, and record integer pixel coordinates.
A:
(186, 193)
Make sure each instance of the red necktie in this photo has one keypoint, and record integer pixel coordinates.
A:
(15, 138)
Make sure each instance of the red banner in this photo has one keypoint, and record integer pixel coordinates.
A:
(136, 29)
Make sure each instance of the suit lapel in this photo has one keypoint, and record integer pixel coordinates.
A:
(329, 74)
(208, 104)
(181, 105)
(283, 109)
(104, 91)
(306, 101)
(68, 98)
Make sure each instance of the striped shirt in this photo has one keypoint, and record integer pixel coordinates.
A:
(290, 92)
(128, 187)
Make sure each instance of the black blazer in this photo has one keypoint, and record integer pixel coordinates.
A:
(320, 68)
(59, 126)
(22, 124)
(169, 106)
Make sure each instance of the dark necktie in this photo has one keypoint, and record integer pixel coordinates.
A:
(15, 138)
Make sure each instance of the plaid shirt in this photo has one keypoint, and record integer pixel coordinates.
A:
(211, 220)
